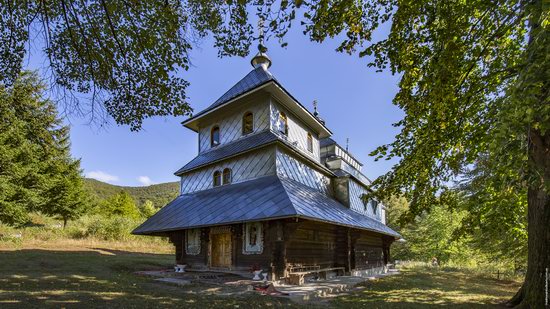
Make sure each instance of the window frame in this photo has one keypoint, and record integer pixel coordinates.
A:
(243, 131)
(374, 205)
(309, 142)
(283, 119)
(226, 171)
(257, 248)
(214, 143)
(217, 178)
(193, 241)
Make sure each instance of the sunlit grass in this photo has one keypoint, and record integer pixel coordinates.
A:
(421, 287)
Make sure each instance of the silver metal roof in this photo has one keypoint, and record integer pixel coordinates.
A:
(231, 149)
(240, 146)
(265, 198)
(255, 78)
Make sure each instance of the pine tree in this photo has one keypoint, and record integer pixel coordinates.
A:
(37, 172)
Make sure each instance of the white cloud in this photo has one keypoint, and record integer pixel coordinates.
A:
(102, 176)
(146, 181)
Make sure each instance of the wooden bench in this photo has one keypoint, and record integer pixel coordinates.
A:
(297, 277)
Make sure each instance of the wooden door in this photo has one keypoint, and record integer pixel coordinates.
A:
(221, 250)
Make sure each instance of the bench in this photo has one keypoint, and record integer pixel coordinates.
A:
(297, 277)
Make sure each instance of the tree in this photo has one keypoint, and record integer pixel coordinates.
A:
(68, 199)
(36, 170)
(472, 86)
(125, 55)
(496, 220)
(120, 204)
(148, 209)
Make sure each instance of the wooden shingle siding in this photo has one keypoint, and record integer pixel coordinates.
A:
(297, 132)
(230, 123)
(193, 261)
(245, 167)
(290, 167)
(312, 243)
(368, 251)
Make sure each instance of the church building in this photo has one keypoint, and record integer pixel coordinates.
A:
(270, 190)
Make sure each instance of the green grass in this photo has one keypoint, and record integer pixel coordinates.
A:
(425, 287)
(103, 278)
(100, 278)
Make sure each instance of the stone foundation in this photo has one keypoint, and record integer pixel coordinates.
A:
(369, 272)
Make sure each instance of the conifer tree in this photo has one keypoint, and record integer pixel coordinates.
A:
(37, 172)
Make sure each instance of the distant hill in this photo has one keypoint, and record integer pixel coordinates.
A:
(159, 194)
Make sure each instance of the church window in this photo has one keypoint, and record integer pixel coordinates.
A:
(193, 241)
(309, 142)
(374, 206)
(248, 123)
(283, 123)
(215, 136)
(217, 178)
(227, 176)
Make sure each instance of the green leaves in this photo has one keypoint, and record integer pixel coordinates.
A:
(120, 204)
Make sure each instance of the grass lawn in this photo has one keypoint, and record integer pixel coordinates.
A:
(422, 287)
(103, 278)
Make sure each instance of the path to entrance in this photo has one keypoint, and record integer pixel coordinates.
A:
(228, 284)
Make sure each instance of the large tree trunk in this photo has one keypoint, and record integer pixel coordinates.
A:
(533, 293)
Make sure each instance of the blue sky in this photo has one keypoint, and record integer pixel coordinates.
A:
(354, 100)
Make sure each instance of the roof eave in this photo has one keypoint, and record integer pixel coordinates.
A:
(152, 233)
(317, 164)
(192, 123)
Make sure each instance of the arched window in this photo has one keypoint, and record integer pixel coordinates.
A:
(374, 206)
(227, 176)
(248, 123)
(217, 178)
(215, 136)
(283, 123)
(309, 142)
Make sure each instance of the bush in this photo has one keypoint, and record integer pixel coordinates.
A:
(114, 228)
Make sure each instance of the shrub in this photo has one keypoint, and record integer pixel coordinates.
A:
(115, 228)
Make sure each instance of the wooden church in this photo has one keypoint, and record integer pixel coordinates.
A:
(270, 190)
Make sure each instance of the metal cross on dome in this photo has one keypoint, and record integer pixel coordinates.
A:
(261, 46)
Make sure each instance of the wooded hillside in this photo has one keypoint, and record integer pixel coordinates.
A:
(159, 194)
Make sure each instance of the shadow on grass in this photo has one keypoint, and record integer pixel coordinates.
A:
(425, 288)
(93, 279)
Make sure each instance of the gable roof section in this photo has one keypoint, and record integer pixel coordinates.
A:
(252, 81)
(255, 78)
(265, 198)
